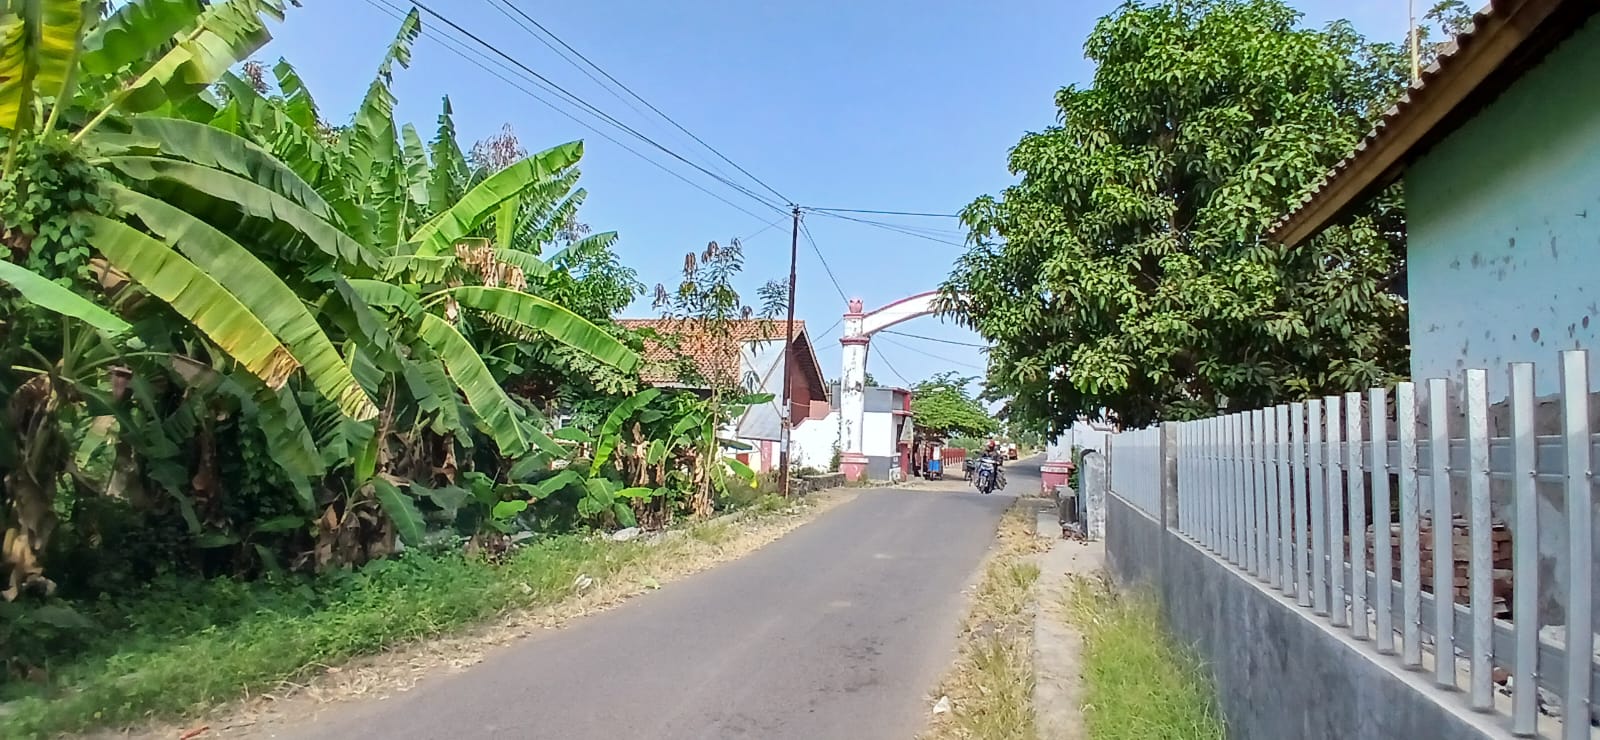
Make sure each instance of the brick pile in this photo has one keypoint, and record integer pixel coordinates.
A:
(1461, 554)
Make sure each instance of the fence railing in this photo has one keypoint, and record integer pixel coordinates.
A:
(1287, 494)
(1136, 467)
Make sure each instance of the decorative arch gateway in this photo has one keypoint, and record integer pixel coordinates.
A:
(859, 327)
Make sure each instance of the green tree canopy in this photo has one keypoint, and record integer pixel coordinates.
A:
(1127, 274)
(941, 406)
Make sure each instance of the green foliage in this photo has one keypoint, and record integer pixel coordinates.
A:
(38, 197)
(1139, 680)
(1126, 274)
(236, 340)
(941, 406)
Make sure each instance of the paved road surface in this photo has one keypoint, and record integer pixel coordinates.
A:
(839, 630)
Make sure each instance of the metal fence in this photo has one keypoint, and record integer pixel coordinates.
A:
(1286, 495)
(1136, 467)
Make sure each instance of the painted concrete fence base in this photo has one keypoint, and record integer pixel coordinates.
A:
(1280, 672)
(853, 465)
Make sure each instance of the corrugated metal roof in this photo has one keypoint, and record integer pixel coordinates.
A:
(1506, 32)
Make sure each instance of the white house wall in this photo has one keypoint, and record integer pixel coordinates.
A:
(879, 438)
(812, 442)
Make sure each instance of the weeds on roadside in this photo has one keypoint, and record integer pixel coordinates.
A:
(1140, 683)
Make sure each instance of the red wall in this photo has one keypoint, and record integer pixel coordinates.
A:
(801, 394)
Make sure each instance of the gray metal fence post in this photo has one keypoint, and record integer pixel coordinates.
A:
(1169, 476)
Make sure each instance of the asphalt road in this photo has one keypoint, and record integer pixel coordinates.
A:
(839, 630)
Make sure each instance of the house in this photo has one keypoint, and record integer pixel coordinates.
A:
(750, 357)
(887, 434)
(1498, 146)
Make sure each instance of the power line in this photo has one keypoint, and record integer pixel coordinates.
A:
(760, 231)
(559, 90)
(890, 365)
(889, 213)
(934, 356)
(647, 103)
(807, 231)
(907, 231)
(934, 339)
(459, 49)
(829, 330)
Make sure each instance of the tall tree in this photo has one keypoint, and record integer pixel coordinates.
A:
(942, 407)
(1127, 275)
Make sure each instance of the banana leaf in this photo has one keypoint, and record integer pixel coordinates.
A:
(494, 409)
(298, 104)
(38, 50)
(538, 314)
(370, 139)
(532, 267)
(473, 209)
(133, 31)
(387, 295)
(611, 429)
(239, 205)
(402, 511)
(42, 292)
(227, 33)
(195, 296)
(257, 287)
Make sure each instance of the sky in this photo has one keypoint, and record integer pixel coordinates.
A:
(899, 105)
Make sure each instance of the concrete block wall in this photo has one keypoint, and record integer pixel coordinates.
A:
(1279, 671)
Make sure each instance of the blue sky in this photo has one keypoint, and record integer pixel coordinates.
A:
(873, 104)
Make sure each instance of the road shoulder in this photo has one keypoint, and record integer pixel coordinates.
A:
(1057, 643)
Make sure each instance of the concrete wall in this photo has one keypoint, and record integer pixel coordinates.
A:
(1503, 221)
(878, 435)
(1280, 673)
(812, 442)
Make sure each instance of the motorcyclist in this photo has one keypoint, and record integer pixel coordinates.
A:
(993, 453)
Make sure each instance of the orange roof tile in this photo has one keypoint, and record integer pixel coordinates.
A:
(713, 357)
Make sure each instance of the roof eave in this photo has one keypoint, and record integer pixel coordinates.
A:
(1433, 107)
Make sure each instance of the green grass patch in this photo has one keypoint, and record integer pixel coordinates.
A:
(182, 647)
(1140, 683)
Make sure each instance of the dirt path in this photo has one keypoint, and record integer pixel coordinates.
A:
(1057, 644)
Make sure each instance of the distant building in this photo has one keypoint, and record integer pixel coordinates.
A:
(751, 357)
(886, 434)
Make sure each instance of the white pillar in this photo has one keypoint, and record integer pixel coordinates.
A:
(852, 393)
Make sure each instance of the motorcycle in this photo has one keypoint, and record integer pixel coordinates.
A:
(987, 476)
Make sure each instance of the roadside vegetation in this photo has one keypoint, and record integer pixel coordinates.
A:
(988, 695)
(1138, 682)
(280, 385)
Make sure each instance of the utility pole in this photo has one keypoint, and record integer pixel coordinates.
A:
(788, 349)
(1416, 43)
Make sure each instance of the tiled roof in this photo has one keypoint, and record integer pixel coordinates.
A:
(1505, 38)
(714, 357)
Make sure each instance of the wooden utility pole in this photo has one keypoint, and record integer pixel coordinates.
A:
(788, 349)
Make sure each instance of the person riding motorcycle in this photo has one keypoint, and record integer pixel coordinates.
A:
(993, 453)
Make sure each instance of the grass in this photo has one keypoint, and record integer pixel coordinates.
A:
(1140, 683)
(183, 651)
(991, 686)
